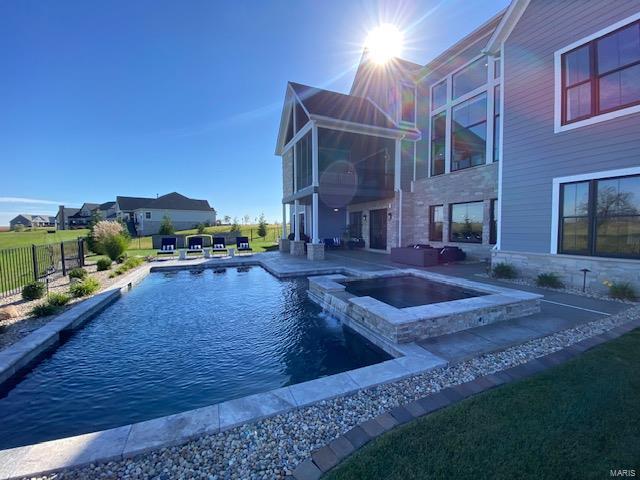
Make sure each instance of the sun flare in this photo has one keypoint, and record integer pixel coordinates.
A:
(384, 43)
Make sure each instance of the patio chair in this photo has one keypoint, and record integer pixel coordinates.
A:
(332, 243)
(194, 244)
(219, 245)
(168, 246)
(242, 244)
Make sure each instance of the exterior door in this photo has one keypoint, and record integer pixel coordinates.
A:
(378, 229)
(355, 224)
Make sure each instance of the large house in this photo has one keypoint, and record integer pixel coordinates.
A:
(32, 221)
(142, 215)
(145, 215)
(519, 143)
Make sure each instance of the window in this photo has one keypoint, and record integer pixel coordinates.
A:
(496, 68)
(601, 217)
(408, 103)
(496, 123)
(438, 143)
(439, 95)
(602, 76)
(436, 219)
(470, 78)
(303, 161)
(147, 215)
(355, 224)
(466, 222)
(469, 132)
(493, 222)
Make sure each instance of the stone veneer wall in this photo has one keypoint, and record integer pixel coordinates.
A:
(469, 185)
(529, 265)
(392, 224)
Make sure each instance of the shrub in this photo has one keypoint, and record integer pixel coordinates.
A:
(166, 228)
(58, 299)
(504, 270)
(550, 279)
(262, 226)
(105, 229)
(129, 264)
(33, 291)
(103, 264)
(85, 287)
(44, 310)
(114, 246)
(621, 290)
(201, 228)
(77, 273)
(122, 258)
(18, 228)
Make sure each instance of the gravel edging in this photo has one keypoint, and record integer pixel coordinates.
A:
(572, 291)
(14, 329)
(273, 447)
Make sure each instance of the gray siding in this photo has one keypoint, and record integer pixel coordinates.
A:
(533, 154)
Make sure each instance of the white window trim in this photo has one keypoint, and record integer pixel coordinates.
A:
(489, 88)
(557, 110)
(555, 199)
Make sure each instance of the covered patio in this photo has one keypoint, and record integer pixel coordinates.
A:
(342, 170)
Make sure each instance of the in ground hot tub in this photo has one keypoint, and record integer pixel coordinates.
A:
(404, 306)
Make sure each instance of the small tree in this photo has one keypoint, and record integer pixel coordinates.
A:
(201, 228)
(115, 245)
(262, 226)
(246, 219)
(166, 228)
(234, 226)
(227, 219)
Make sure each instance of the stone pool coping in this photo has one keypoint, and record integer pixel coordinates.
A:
(381, 322)
(129, 440)
(329, 456)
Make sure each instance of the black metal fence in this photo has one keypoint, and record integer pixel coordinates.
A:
(22, 265)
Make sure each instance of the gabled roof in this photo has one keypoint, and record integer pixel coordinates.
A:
(341, 107)
(106, 205)
(132, 203)
(176, 201)
(507, 23)
(170, 201)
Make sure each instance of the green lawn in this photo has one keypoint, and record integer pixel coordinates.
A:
(37, 237)
(578, 420)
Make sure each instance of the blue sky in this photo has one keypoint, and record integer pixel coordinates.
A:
(146, 97)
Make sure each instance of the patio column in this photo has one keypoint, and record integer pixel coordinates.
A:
(397, 165)
(315, 180)
(284, 220)
(296, 221)
(314, 220)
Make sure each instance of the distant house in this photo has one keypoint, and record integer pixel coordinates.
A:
(32, 221)
(82, 217)
(107, 210)
(144, 215)
(62, 217)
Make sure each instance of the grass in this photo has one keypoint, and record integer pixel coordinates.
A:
(38, 237)
(578, 420)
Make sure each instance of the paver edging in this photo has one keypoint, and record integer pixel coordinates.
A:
(454, 394)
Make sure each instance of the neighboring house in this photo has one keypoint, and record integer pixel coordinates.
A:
(107, 210)
(82, 217)
(62, 217)
(546, 177)
(145, 215)
(32, 221)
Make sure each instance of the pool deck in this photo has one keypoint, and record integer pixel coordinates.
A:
(559, 311)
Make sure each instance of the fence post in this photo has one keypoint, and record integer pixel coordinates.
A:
(34, 258)
(81, 251)
(64, 263)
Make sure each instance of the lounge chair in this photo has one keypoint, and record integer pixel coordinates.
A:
(332, 243)
(194, 244)
(242, 244)
(219, 245)
(168, 246)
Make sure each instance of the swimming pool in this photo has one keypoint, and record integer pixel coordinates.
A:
(178, 341)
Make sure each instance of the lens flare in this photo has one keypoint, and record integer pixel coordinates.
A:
(384, 43)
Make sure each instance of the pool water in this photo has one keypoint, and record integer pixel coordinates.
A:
(179, 341)
(407, 291)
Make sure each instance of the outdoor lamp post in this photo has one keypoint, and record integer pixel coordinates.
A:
(584, 278)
